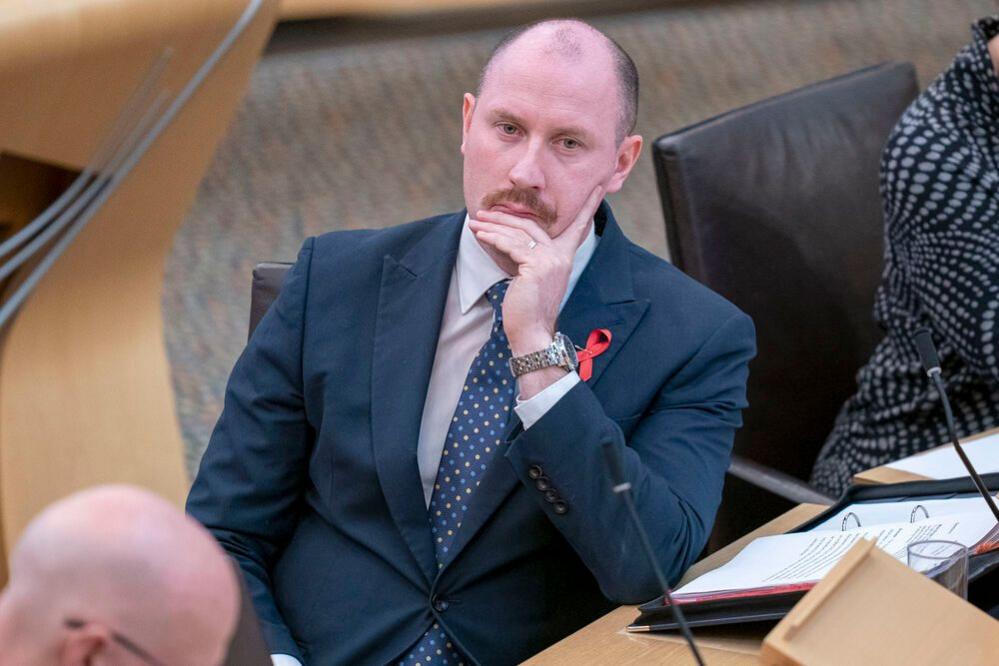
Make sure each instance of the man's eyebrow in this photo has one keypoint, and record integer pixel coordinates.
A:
(572, 130)
(504, 114)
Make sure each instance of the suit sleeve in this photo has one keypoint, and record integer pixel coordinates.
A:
(675, 459)
(251, 481)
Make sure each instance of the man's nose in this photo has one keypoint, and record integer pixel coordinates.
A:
(528, 171)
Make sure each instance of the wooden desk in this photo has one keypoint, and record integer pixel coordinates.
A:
(314, 9)
(885, 474)
(605, 641)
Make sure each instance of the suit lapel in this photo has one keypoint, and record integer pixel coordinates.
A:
(580, 317)
(410, 306)
(603, 298)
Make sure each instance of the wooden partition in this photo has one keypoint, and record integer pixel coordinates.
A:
(85, 391)
(314, 9)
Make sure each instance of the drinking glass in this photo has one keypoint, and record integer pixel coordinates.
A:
(946, 562)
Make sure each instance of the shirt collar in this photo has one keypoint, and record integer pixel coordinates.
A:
(475, 270)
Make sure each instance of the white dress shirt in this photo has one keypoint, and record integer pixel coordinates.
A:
(465, 327)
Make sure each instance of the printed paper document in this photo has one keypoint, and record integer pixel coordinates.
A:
(944, 463)
(793, 559)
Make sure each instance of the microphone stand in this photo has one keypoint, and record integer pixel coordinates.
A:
(623, 487)
(931, 363)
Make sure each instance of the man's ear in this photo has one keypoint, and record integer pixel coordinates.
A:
(467, 107)
(83, 646)
(627, 154)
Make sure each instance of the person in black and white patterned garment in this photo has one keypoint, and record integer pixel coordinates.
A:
(940, 186)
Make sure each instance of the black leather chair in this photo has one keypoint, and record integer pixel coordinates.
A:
(776, 206)
(247, 647)
(268, 277)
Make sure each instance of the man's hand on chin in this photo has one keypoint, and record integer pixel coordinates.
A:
(544, 264)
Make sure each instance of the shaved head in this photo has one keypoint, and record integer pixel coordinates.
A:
(113, 562)
(570, 39)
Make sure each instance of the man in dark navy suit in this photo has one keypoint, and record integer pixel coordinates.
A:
(408, 466)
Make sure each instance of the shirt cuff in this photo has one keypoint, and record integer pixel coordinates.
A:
(285, 660)
(530, 411)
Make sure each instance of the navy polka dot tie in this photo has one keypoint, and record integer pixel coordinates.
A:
(472, 440)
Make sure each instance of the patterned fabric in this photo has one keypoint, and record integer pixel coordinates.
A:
(472, 441)
(940, 186)
(434, 648)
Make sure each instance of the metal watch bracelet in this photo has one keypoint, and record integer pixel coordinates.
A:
(560, 353)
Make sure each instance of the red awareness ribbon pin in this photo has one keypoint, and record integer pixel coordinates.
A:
(596, 344)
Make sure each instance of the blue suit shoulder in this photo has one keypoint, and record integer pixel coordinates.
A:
(349, 263)
(687, 303)
(361, 244)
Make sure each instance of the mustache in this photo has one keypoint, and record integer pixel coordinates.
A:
(523, 198)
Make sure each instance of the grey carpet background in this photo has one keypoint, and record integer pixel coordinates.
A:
(367, 135)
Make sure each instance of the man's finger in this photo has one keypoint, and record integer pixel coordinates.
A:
(525, 224)
(518, 252)
(516, 235)
(574, 235)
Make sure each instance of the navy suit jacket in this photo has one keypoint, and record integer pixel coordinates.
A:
(311, 481)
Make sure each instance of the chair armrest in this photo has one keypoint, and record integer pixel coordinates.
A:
(776, 482)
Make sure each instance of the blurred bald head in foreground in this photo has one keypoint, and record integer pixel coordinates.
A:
(117, 575)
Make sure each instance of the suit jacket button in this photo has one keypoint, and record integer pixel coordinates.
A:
(440, 605)
(551, 496)
(535, 472)
(543, 483)
(560, 507)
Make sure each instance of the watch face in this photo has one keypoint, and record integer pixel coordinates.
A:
(569, 350)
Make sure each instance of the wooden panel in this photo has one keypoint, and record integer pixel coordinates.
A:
(67, 66)
(85, 391)
(26, 188)
(310, 9)
(883, 475)
(872, 609)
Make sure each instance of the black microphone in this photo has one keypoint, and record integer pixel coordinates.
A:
(931, 364)
(923, 338)
(622, 487)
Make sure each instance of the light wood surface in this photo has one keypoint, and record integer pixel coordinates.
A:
(885, 474)
(872, 609)
(85, 391)
(311, 9)
(605, 641)
(882, 475)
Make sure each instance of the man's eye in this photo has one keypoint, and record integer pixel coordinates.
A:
(570, 144)
(507, 128)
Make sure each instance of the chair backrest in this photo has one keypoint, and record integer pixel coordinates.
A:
(776, 206)
(268, 277)
(247, 646)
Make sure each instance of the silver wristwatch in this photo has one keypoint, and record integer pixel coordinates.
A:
(560, 353)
